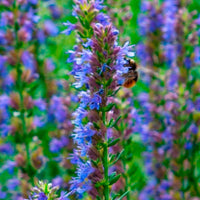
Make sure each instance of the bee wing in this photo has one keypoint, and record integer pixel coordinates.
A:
(151, 72)
(131, 74)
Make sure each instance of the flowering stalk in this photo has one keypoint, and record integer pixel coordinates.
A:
(169, 47)
(22, 109)
(98, 63)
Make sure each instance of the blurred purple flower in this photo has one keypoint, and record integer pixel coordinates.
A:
(57, 110)
(2, 194)
(12, 184)
(7, 148)
(70, 28)
(40, 104)
(39, 121)
(28, 61)
(42, 196)
(50, 28)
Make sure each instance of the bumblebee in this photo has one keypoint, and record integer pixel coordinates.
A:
(131, 77)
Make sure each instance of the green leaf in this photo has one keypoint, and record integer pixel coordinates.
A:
(116, 121)
(109, 107)
(123, 195)
(100, 183)
(115, 92)
(112, 175)
(96, 126)
(115, 196)
(108, 82)
(113, 142)
(114, 179)
(98, 198)
(118, 157)
(112, 158)
(110, 122)
(95, 163)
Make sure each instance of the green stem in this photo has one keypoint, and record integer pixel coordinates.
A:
(125, 174)
(20, 89)
(105, 163)
(126, 179)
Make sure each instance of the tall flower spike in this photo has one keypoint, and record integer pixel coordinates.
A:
(97, 68)
(170, 137)
(23, 110)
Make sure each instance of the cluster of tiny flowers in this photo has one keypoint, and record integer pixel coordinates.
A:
(171, 47)
(45, 191)
(98, 66)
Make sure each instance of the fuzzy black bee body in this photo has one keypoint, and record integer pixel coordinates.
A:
(131, 76)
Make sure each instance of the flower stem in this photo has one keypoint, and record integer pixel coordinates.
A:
(20, 89)
(105, 163)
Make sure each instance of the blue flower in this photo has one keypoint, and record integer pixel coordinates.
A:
(41, 36)
(39, 121)
(197, 104)
(56, 145)
(51, 28)
(95, 102)
(145, 6)
(55, 11)
(188, 145)
(84, 170)
(4, 101)
(173, 78)
(12, 184)
(170, 10)
(85, 57)
(28, 61)
(170, 54)
(70, 28)
(197, 55)
(40, 103)
(83, 133)
(142, 53)
(98, 4)
(126, 50)
(81, 183)
(2, 194)
(187, 62)
(103, 19)
(63, 196)
(57, 110)
(194, 129)
(49, 65)
(9, 165)
(42, 196)
(88, 43)
(57, 181)
(7, 148)
(81, 78)
(5, 129)
(34, 2)
(79, 114)
(85, 98)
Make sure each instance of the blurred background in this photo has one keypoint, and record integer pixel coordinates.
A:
(37, 97)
